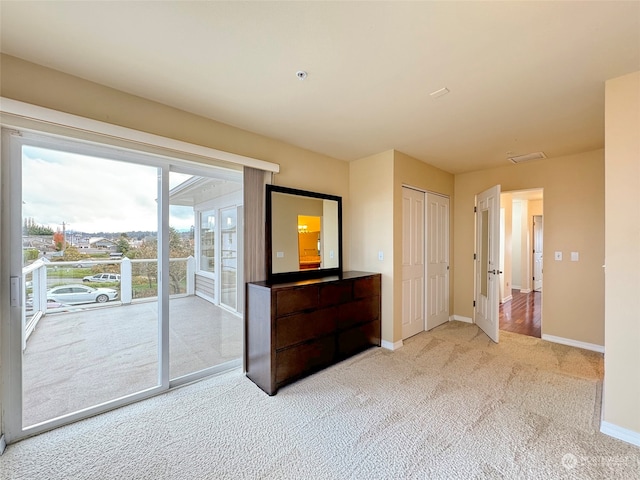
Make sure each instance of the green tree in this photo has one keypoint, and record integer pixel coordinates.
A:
(72, 254)
(31, 228)
(178, 248)
(31, 254)
(123, 245)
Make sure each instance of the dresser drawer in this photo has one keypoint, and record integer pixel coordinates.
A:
(358, 311)
(295, 361)
(299, 327)
(366, 287)
(336, 293)
(296, 300)
(358, 338)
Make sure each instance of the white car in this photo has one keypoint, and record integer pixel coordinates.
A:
(102, 277)
(74, 294)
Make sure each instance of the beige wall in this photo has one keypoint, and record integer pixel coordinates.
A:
(506, 204)
(573, 302)
(622, 247)
(371, 193)
(49, 88)
(376, 195)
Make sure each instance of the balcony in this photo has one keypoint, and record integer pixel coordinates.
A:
(78, 356)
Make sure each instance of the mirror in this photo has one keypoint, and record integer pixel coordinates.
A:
(303, 234)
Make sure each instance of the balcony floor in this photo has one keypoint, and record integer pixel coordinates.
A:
(80, 359)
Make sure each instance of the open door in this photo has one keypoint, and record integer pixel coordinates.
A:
(487, 261)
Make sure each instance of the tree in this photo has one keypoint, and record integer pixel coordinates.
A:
(31, 228)
(31, 254)
(178, 248)
(72, 254)
(123, 245)
(58, 240)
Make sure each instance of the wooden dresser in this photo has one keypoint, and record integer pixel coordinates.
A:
(297, 328)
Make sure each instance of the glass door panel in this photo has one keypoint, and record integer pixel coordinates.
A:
(89, 261)
(229, 258)
(202, 336)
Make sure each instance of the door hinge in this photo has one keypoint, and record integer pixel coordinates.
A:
(475, 209)
(474, 303)
(475, 257)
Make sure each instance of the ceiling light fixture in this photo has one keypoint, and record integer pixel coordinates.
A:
(301, 74)
(439, 93)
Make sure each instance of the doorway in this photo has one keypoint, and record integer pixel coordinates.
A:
(522, 261)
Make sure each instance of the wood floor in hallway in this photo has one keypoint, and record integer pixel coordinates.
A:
(522, 313)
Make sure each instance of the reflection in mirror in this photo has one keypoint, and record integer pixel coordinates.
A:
(304, 229)
(309, 230)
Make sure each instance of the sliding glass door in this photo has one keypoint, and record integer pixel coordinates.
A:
(106, 305)
(203, 337)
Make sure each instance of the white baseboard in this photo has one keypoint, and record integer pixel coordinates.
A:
(573, 343)
(620, 433)
(515, 287)
(3, 444)
(391, 345)
(525, 290)
(460, 318)
(507, 299)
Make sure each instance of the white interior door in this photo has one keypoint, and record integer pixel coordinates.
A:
(487, 261)
(537, 252)
(437, 260)
(413, 268)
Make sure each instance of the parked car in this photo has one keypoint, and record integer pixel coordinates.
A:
(102, 277)
(51, 304)
(83, 264)
(74, 294)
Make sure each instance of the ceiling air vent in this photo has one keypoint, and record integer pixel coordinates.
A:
(528, 157)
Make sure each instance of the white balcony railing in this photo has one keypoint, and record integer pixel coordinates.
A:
(36, 304)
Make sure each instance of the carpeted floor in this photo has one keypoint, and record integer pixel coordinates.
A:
(449, 404)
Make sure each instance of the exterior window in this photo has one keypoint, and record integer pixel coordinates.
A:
(207, 240)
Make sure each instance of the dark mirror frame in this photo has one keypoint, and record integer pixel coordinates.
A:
(300, 274)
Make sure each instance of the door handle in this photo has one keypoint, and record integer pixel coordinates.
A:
(494, 272)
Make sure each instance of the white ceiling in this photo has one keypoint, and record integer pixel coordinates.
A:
(523, 76)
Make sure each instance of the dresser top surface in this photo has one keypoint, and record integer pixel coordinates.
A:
(313, 281)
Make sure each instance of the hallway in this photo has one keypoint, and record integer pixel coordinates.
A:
(522, 313)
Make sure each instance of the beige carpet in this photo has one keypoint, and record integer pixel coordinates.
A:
(449, 404)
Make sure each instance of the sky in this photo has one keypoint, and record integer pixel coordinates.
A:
(91, 194)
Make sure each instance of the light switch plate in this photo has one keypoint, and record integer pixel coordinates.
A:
(279, 254)
(558, 256)
(380, 255)
(575, 256)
